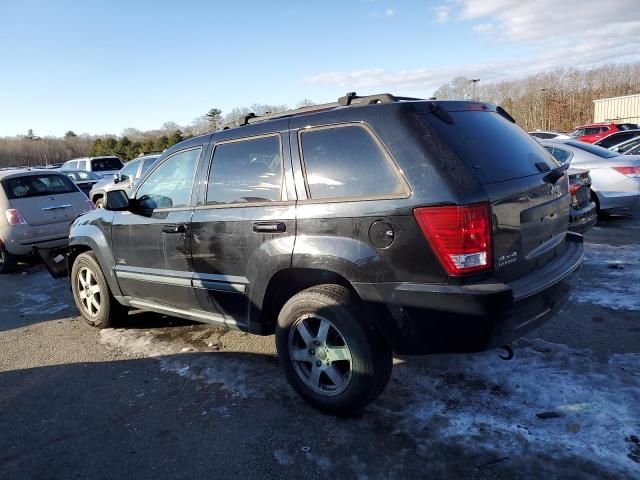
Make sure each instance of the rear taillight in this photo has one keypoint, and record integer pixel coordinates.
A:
(14, 217)
(573, 188)
(459, 235)
(89, 205)
(628, 171)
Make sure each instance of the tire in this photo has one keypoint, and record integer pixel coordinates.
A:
(99, 203)
(334, 360)
(8, 262)
(91, 292)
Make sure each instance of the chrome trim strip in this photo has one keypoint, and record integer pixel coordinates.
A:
(195, 314)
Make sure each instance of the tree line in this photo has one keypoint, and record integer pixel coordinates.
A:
(558, 99)
(32, 150)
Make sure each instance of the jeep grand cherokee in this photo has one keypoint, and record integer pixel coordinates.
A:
(354, 230)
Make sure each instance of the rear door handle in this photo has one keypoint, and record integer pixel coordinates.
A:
(174, 229)
(269, 227)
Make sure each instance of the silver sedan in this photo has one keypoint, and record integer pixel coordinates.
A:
(615, 178)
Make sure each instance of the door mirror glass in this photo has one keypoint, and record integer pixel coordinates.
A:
(116, 201)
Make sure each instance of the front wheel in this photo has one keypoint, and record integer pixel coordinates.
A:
(91, 292)
(331, 356)
(99, 203)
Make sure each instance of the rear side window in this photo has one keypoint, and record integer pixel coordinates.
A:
(37, 186)
(246, 171)
(105, 164)
(614, 139)
(347, 161)
(559, 154)
(492, 148)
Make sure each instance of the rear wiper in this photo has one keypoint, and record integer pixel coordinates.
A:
(441, 113)
(502, 112)
(556, 174)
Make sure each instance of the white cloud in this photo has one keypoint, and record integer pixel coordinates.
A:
(572, 34)
(483, 27)
(389, 12)
(442, 14)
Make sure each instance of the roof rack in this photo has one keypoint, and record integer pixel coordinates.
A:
(350, 99)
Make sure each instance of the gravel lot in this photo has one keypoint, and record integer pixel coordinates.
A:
(166, 398)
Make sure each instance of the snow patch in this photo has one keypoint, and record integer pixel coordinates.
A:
(483, 402)
(610, 277)
(242, 374)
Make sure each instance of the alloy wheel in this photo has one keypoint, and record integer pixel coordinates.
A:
(89, 292)
(320, 355)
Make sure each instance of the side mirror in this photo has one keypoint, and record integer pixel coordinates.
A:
(117, 201)
(116, 177)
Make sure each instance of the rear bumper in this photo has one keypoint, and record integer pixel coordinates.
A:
(580, 221)
(422, 319)
(25, 246)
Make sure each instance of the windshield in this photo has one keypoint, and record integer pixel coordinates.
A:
(105, 164)
(594, 149)
(37, 186)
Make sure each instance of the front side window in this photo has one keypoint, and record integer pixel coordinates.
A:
(148, 163)
(130, 169)
(170, 185)
(346, 162)
(246, 171)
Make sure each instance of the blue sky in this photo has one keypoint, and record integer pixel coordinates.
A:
(102, 66)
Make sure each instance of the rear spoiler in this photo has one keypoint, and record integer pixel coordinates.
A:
(56, 260)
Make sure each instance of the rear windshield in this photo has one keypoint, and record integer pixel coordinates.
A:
(493, 148)
(104, 164)
(37, 186)
(596, 150)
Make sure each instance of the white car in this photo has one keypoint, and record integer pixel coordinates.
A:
(37, 207)
(548, 135)
(104, 167)
(615, 178)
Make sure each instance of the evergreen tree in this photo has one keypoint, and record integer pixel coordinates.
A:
(161, 143)
(176, 137)
(215, 116)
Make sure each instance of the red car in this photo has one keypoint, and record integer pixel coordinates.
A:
(597, 131)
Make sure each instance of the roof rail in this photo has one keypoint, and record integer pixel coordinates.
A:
(350, 99)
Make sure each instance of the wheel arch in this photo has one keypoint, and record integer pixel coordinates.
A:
(284, 284)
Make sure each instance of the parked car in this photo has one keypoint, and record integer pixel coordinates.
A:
(547, 135)
(633, 151)
(353, 230)
(102, 166)
(583, 215)
(617, 138)
(615, 178)
(37, 208)
(626, 146)
(84, 180)
(124, 179)
(596, 131)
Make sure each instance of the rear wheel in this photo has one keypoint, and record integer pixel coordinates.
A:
(91, 292)
(7, 261)
(330, 355)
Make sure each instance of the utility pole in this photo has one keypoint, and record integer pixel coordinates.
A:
(474, 81)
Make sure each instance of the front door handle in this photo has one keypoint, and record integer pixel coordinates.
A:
(269, 227)
(174, 229)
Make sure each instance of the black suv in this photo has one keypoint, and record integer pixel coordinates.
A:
(354, 230)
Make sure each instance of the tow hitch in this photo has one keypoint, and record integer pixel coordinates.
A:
(509, 352)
